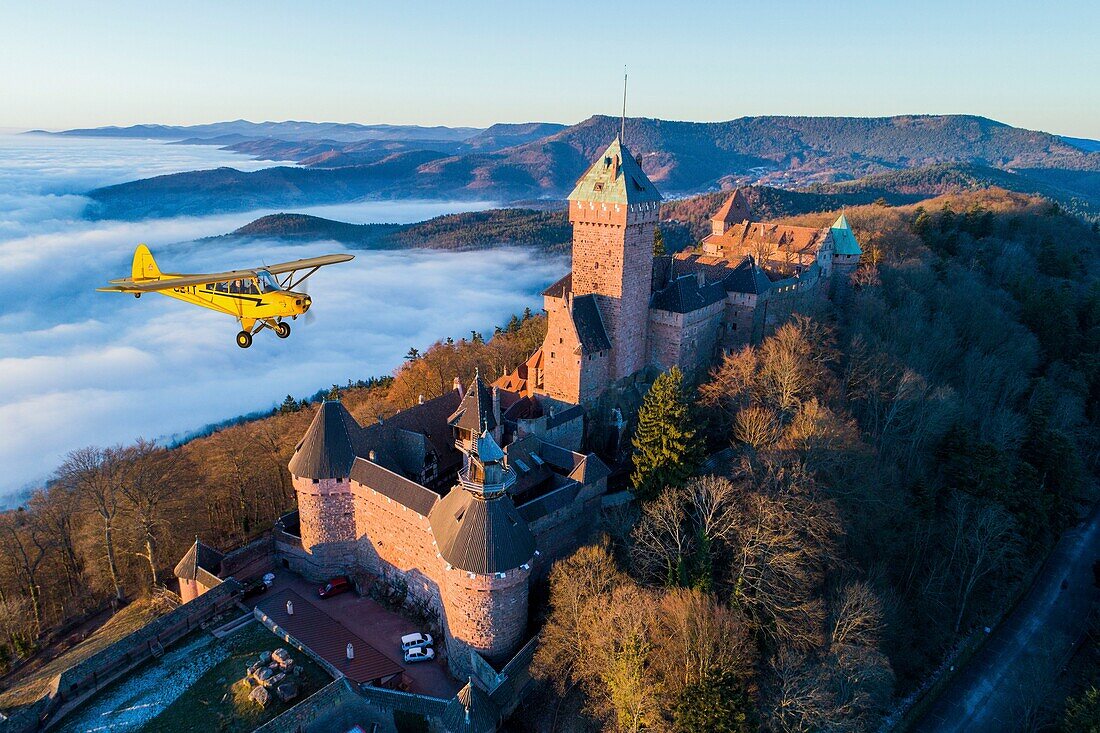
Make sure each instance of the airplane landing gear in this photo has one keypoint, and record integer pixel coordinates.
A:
(137, 295)
(244, 339)
(282, 329)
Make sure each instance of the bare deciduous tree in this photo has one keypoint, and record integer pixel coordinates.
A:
(93, 473)
(149, 477)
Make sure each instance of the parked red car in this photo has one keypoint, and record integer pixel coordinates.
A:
(335, 587)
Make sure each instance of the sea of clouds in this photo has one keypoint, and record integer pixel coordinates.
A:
(80, 368)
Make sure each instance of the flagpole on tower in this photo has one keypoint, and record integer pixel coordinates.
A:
(622, 126)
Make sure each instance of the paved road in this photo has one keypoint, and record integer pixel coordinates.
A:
(1000, 688)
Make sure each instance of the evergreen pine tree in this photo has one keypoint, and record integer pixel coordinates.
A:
(658, 242)
(666, 449)
(717, 704)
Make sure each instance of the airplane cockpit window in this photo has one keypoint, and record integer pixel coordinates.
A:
(267, 281)
(222, 287)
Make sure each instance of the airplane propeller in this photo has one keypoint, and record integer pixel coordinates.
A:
(309, 316)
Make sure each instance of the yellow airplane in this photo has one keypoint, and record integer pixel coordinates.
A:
(254, 297)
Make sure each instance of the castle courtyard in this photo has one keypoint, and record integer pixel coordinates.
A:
(326, 625)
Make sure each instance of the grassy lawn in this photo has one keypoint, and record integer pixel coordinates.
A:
(218, 700)
(34, 684)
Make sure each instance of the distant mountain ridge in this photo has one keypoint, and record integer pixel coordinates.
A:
(287, 130)
(682, 158)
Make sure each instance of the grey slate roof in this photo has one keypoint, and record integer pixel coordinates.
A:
(683, 295)
(481, 536)
(405, 492)
(589, 324)
(747, 278)
(476, 410)
(199, 557)
(430, 420)
(330, 444)
(561, 287)
(550, 502)
(560, 417)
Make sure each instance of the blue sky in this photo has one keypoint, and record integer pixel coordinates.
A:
(66, 64)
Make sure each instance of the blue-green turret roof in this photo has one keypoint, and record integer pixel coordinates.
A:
(843, 239)
(615, 178)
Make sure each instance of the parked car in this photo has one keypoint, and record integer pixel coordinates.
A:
(335, 587)
(412, 641)
(419, 654)
(255, 588)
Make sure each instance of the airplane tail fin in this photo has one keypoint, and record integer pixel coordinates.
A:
(144, 267)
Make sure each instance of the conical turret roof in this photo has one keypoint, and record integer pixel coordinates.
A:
(471, 711)
(198, 557)
(615, 178)
(481, 535)
(329, 446)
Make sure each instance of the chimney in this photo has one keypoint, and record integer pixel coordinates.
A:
(371, 456)
(420, 400)
(615, 167)
(700, 277)
(458, 388)
(496, 404)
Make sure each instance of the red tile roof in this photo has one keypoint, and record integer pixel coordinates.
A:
(328, 638)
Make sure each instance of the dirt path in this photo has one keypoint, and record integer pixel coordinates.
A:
(1001, 687)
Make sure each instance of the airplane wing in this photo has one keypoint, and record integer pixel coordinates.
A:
(308, 263)
(128, 285)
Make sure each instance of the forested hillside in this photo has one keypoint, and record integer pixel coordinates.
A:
(895, 464)
(547, 230)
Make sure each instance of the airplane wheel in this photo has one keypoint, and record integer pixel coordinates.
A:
(282, 330)
(137, 295)
(244, 339)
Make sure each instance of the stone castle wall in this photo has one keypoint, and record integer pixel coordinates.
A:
(686, 340)
(392, 537)
(561, 375)
(559, 533)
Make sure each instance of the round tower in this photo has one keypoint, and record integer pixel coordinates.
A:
(321, 469)
(486, 546)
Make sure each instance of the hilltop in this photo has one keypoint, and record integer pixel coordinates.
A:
(542, 161)
(469, 230)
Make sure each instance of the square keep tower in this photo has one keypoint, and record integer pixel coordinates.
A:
(614, 210)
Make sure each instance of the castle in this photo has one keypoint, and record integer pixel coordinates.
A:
(621, 308)
(464, 498)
